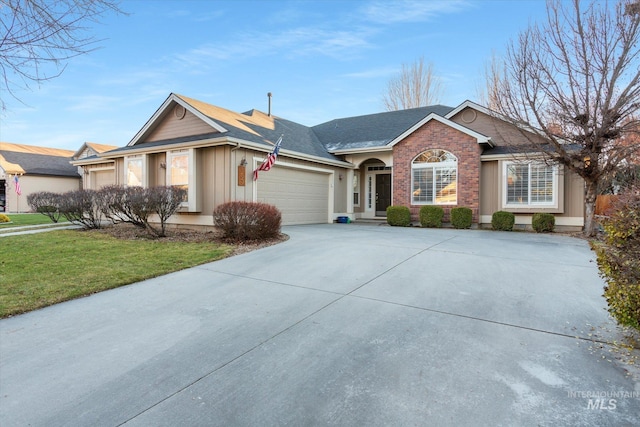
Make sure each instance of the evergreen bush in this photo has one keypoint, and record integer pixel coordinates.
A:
(543, 222)
(618, 259)
(461, 217)
(398, 216)
(431, 216)
(503, 221)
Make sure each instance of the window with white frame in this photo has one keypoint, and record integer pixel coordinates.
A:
(134, 171)
(434, 178)
(356, 189)
(178, 171)
(530, 184)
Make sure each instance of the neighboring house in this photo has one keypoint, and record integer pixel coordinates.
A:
(95, 175)
(355, 167)
(37, 169)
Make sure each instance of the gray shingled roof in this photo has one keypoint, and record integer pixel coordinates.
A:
(40, 164)
(373, 130)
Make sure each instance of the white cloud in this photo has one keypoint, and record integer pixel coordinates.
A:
(392, 12)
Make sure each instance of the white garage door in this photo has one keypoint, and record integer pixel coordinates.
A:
(102, 178)
(301, 196)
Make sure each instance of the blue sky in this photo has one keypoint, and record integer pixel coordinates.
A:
(320, 59)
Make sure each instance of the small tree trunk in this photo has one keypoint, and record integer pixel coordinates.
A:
(590, 197)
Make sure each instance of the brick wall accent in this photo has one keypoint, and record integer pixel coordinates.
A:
(437, 135)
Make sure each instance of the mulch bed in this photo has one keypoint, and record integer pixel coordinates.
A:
(129, 232)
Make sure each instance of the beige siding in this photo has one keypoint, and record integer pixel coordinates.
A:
(489, 188)
(501, 133)
(157, 169)
(215, 176)
(119, 171)
(173, 127)
(573, 195)
(32, 184)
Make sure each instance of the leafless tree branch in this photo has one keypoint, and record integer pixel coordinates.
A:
(40, 36)
(415, 86)
(576, 78)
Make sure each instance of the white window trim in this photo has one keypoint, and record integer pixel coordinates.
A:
(356, 188)
(170, 155)
(555, 186)
(193, 201)
(145, 176)
(433, 166)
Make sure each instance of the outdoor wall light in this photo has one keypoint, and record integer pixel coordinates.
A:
(243, 162)
(163, 165)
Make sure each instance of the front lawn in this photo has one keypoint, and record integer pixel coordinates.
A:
(42, 269)
(19, 220)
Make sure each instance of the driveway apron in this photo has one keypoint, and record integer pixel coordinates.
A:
(342, 324)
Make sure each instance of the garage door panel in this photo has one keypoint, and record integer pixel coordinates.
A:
(302, 196)
(102, 178)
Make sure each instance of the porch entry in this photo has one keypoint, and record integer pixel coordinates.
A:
(383, 193)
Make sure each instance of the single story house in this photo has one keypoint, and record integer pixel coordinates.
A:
(26, 169)
(99, 174)
(354, 166)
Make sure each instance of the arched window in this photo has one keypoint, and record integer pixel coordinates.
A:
(434, 178)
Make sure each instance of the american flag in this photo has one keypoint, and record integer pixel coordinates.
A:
(18, 189)
(269, 161)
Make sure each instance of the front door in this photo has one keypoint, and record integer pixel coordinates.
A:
(383, 193)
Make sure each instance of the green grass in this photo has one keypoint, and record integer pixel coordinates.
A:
(42, 269)
(19, 220)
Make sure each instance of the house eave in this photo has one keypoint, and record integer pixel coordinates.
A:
(361, 150)
(213, 142)
(481, 139)
(161, 111)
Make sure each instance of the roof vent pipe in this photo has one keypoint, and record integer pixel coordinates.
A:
(269, 111)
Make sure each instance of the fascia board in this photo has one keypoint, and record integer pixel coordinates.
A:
(533, 155)
(470, 104)
(362, 150)
(87, 162)
(238, 143)
(161, 112)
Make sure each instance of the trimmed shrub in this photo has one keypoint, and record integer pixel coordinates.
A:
(4, 218)
(543, 222)
(618, 259)
(46, 203)
(135, 205)
(461, 217)
(503, 221)
(241, 221)
(431, 216)
(166, 202)
(80, 207)
(398, 216)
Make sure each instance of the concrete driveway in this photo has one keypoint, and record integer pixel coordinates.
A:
(343, 324)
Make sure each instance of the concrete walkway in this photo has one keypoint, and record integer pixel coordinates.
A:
(33, 229)
(340, 325)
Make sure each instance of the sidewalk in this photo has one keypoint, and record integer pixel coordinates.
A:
(32, 229)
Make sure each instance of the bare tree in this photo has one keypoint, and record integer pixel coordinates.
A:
(38, 37)
(576, 79)
(415, 86)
